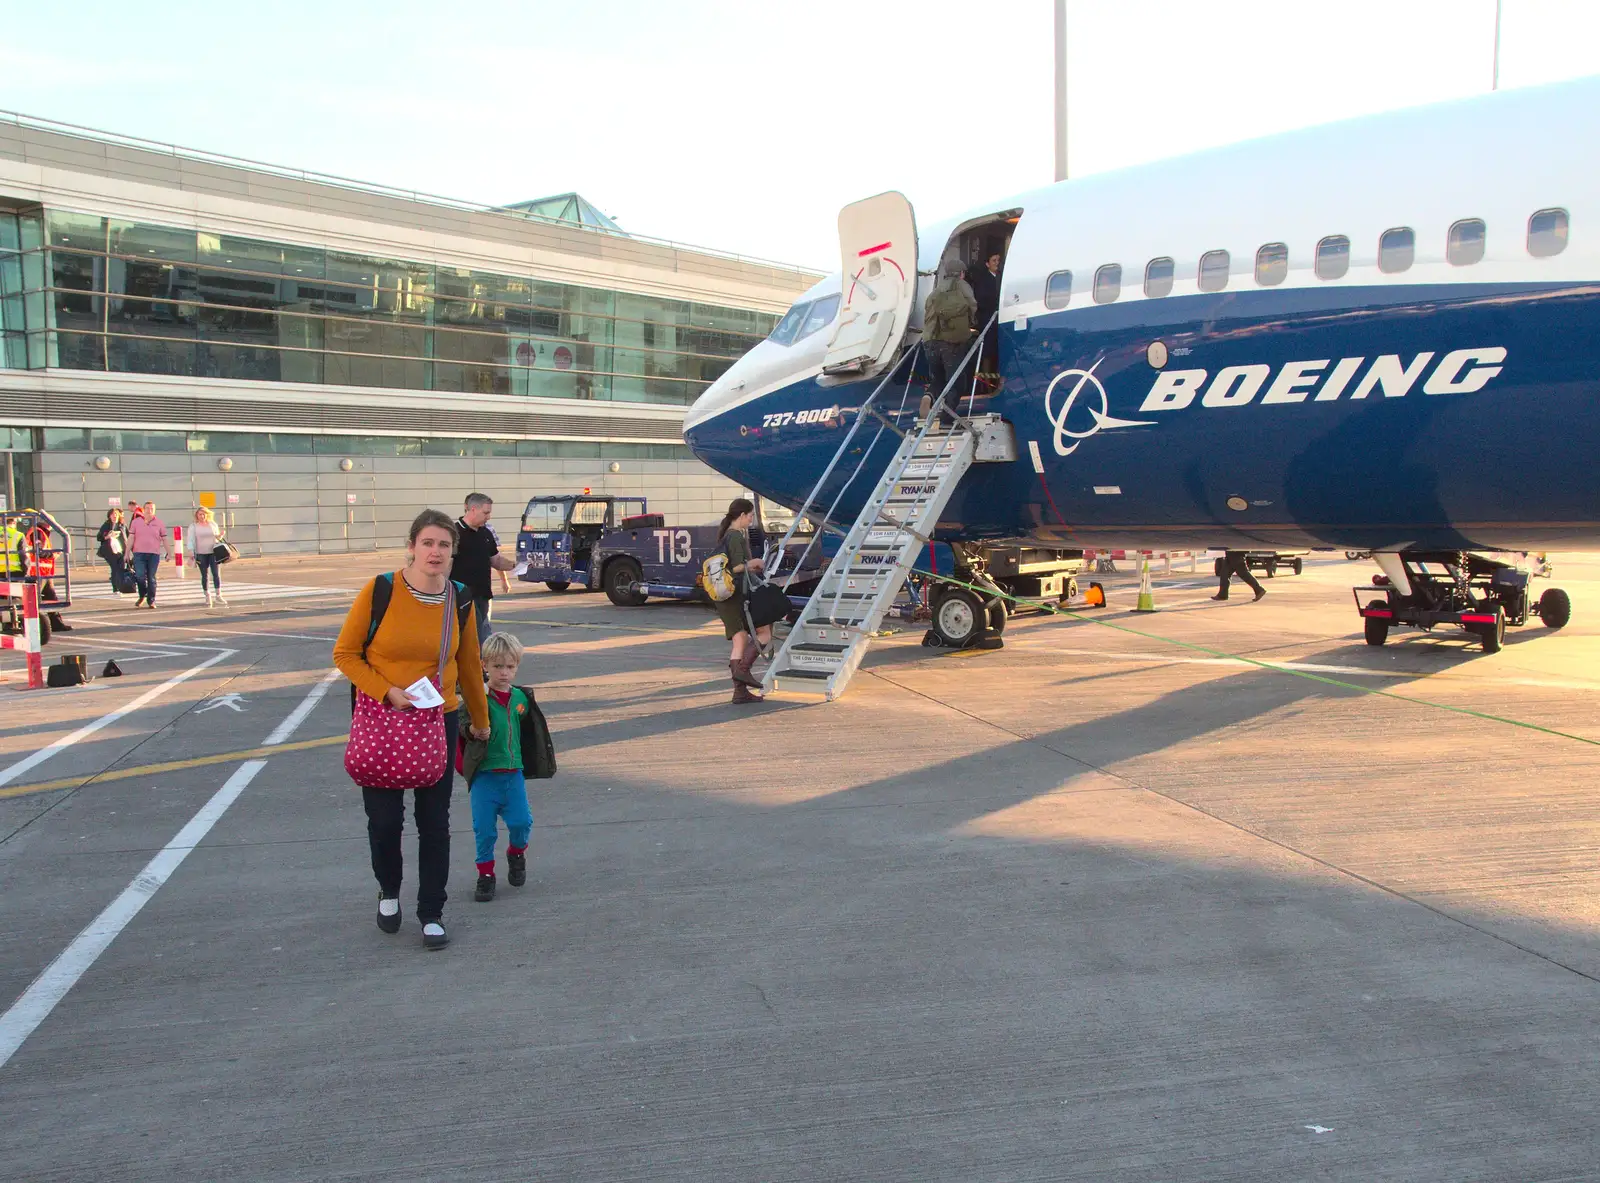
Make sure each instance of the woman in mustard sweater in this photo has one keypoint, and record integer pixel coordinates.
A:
(405, 648)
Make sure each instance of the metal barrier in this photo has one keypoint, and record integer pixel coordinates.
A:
(32, 561)
(1103, 560)
(27, 592)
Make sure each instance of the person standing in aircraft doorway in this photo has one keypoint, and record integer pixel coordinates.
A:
(947, 329)
(1236, 562)
(984, 280)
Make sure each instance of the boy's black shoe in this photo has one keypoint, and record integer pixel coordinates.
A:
(518, 864)
(485, 890)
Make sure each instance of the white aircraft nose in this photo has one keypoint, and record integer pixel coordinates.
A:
(718, 397)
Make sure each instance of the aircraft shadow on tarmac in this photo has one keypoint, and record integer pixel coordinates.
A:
(851, 985)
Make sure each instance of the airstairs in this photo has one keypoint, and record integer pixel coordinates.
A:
(826, 647)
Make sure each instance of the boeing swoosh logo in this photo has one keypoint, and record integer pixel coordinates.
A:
(1102, 419)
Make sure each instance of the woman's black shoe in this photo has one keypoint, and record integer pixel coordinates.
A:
(485, 889)
(389, 924)
(517, 874)
(434, 935)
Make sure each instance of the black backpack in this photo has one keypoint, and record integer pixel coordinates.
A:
(383, 592)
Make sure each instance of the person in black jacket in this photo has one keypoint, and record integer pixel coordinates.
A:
(113, 539)
(984, 280)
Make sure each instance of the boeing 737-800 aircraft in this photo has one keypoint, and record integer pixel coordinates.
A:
(1374, 335)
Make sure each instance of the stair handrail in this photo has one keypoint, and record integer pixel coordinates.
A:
(844, 444)
(911, 454)
(944, 395)
(827, 521)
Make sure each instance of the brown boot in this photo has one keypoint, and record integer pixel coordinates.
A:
(741, 693)
(741, 673)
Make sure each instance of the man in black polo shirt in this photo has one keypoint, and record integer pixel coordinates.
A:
(478, 554)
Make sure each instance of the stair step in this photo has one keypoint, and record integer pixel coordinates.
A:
(862, 581)
(828, 634)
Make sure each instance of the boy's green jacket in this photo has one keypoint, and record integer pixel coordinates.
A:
(538, 750)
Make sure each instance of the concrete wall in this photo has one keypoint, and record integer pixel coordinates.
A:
(306, 505)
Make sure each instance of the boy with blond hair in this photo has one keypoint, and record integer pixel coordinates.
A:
(494, 769)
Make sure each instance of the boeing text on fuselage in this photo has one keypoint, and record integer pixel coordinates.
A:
(1461, 371)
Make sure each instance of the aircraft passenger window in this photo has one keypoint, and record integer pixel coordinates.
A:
(1547, 233)
(784, 331)
(1213, 271)
(1272, 264)
(1464, 245)
(1108, 283)
(1397, 249)
(1333, 257)
(820, 316)
(1058, 289)
(1158, 277)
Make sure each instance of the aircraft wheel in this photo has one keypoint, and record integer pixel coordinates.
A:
(958, 618)
(557, 585)
(621, 575)
(1555, 607)
(997, 619)
(1298, 565)
(1377, 629)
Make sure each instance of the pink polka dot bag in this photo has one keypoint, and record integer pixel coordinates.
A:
(392, 749)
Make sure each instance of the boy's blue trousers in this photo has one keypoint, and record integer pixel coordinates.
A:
(495, 795)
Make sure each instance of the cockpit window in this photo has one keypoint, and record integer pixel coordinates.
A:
(785, 331)
(820, 316)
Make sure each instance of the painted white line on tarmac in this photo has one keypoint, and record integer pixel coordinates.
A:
(298, 716)
(1311, 667)
(221, 632)
(50, 987)
(7, 775)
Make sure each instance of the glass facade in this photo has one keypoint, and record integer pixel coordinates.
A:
(239, 443)
(23, 296)
(82, 292)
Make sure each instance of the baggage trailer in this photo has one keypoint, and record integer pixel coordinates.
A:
(1478, 593)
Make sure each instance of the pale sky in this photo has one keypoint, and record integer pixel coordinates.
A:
(745, 126)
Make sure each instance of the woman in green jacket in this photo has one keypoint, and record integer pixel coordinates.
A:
(734, 540)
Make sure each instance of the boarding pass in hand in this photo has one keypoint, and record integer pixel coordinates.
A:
(424, 694)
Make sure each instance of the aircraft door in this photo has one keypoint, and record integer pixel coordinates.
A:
(878, 254)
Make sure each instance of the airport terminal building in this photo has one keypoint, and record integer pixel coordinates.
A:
(320, 358)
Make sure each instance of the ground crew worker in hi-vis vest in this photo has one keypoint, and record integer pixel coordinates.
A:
(14, 567)
(16, 550)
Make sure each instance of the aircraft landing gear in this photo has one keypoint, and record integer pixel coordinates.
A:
(964, 618)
